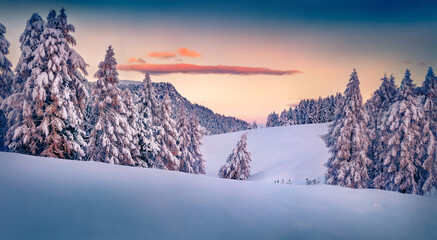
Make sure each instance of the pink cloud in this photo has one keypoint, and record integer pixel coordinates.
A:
(408, 62)
(423, 64)
(185, 52)
(136, 60)
(163, 55)
(199, 69)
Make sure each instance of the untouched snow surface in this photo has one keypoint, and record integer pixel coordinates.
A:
(290, 153)
(43, 198)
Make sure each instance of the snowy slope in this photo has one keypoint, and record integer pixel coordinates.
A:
(43, 198)
(290, 153)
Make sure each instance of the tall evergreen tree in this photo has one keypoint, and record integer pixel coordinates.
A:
(406, 132)
(237, 165)
(50, 124)
(191, 158)
(112, 140)
(429, 89)
(167, 137)
(30, 39)
(376, 106)
(148, 120)
(186, 158)
(196, 136)
(348, 165)
(6, 79)
(76, 64)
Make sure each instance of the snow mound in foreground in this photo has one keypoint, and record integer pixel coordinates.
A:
(44, 198)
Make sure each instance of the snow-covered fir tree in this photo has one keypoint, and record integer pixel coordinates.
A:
(376, 106)
(196, 136)
(272, 120)
(30, 39)
(6, 74)
(113, 138)
(184, 140)
(76, 64)
(167, 137)
(381, 100)
(429, 90)
(348, 164)
(50, 124)
(6, 80)
(147, 122)
(237, 165)
(429, 100)
(191, 158)
(405, 130)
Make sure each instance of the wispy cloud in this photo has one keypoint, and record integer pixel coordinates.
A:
(185, 52)
(412, 62)
(136, 60)
(200, 69)
(163, 55)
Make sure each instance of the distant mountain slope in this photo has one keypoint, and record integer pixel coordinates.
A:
(213, 122)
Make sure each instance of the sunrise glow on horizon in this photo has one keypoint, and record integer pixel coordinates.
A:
(248, 65)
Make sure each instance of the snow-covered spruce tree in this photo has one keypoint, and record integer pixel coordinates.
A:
(429, 171)
(184, 140)
(6, 74)
(29, 40)
(6, 79)
(13, 105)
(429, 100)
(50, 124)
(272, 120)
(381, 100)
(167, 137)
(376, 106)
(147, 122)
(348, 165)
(112, 140)
(408, 141)
(237, 165)
(76, 64)
(191, 158)
(196, 136)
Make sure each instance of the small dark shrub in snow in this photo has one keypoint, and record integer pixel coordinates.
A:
(313, 181)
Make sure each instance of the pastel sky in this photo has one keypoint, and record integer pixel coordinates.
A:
(248, 58)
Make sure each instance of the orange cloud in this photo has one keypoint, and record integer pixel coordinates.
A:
(163, 55)
(136, 60)
(199, 69)
(185, 52)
